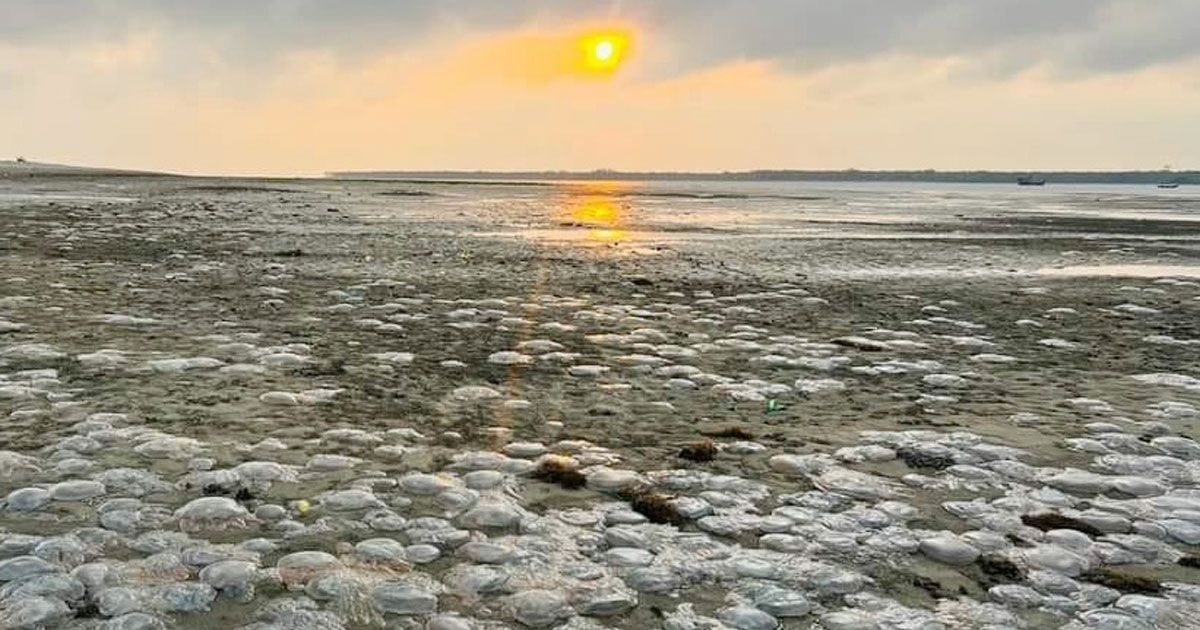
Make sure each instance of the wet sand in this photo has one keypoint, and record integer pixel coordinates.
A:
(408, 328)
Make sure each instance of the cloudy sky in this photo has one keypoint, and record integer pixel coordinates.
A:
(305, 86)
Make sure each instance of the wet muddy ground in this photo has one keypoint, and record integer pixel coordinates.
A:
(202, 381)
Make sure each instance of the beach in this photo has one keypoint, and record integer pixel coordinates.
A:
(325, 403)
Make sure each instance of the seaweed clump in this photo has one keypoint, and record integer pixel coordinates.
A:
(931, 586)
(656, 507)
(1122, 581)
(735, 433)
(917, 459)
(87, 610)
(1047, 521)
(241, 494)
(702, 451)
(560, 471)
(934, 588)
(999, 569)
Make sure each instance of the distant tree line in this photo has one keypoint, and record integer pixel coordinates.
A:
(849, 175)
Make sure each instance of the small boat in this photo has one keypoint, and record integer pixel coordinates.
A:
(1031, 181)
(1169, 185)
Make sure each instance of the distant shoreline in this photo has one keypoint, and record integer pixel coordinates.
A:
(10, 169)
(922, 176)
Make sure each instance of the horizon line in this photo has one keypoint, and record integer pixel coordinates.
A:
(837, 175)
(779, 174)
(610, 171)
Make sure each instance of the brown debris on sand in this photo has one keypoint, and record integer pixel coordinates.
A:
(559, 471)
(733, 433)
(1047, 521)
(654, 506)
(702, 451)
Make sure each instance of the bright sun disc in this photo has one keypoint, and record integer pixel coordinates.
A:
(603, 52)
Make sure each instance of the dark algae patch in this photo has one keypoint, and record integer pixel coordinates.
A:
(926, 461)
(1047, 521)
(1115, 578)
(1000, 570)
(934, 588)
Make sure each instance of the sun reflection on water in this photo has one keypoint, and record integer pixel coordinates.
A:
(603, 212)
(599, 212)
(607, 236)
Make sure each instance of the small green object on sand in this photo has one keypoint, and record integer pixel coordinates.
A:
(772, 405)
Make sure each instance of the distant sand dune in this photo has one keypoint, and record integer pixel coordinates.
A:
(13, 168)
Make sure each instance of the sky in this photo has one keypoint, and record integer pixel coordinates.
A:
(301, 87)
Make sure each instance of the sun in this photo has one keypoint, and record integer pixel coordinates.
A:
(603, 52)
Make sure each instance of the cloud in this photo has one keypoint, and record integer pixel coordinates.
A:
(1076, 37)
(304, 86)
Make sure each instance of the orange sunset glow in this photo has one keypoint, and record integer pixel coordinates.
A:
(604, 52)
(632, 86)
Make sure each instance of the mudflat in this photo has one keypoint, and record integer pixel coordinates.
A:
(327, 403)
